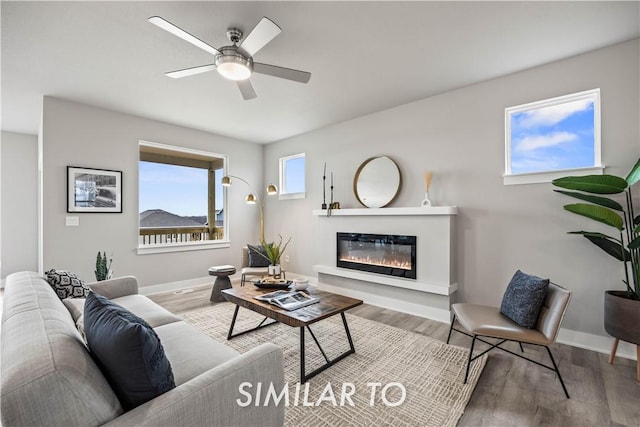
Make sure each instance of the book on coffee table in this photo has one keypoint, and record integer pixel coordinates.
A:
(289, 300)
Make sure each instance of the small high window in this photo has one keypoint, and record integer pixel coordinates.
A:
(292, 177)
(551, 138)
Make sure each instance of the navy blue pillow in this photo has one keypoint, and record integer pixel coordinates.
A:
(257, 257)
(127, 350)
(523, 299)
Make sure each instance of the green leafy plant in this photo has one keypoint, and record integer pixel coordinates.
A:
(273, 251)
(607, 211)
(102, 266)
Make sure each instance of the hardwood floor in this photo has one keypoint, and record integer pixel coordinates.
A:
(512, 391)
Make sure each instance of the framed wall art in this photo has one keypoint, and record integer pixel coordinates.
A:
(94, 190)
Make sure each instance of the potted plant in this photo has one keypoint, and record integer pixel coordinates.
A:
(273, 251)
(621, 308)
(103, 267)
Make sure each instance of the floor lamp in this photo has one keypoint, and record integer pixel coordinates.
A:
(252, 199)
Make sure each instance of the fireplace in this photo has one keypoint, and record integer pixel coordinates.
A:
(392, 255)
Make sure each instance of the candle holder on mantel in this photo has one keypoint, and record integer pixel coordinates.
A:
(332, 205)
(324, 187)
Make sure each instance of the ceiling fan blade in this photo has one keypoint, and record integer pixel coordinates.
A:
(246, 88)
(176, 31)
(190, 71)
(283, 73)
(265, 31)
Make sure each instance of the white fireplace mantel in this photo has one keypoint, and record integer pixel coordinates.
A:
(434, 288)
(432, 210)
(429, 294)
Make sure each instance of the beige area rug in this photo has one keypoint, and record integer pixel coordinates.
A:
(431, 371)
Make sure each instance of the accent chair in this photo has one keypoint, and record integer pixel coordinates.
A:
(480, 321)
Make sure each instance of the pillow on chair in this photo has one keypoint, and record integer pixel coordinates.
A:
(257, 257)
(523, 299)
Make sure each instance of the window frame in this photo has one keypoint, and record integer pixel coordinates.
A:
(184, 246)
(282, 188)
(548, 176)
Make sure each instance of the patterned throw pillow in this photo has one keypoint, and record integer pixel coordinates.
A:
(67, 284)
(257, 257)
(523, 299)
(127, 350)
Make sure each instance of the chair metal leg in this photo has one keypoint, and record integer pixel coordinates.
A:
(521, 349)
(451, 328)
(466, 375)
(555, 367)
(242, 280)
(614, 349)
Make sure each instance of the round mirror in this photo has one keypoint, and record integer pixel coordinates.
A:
(377, 182)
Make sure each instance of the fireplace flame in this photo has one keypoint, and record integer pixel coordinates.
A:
(393, 263)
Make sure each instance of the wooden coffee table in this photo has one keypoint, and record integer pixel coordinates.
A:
(329, 305)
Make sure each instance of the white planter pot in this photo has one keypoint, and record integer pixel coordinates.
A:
(274, 270)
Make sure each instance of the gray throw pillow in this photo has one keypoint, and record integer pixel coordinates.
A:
(523, 299)
(127, 350)
(257, 256)
(67, 284)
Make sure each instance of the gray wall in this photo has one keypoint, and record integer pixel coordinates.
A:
(18, 219)
(80, 135)
(459, 135)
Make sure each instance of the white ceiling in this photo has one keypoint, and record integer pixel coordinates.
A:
(363, 56)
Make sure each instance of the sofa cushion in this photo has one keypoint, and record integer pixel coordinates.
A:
(45, 363)
(67, 284)
(127, 350)
(523, 298)
(191, 351)
(76, 309)
(257, 257)
(143, 307)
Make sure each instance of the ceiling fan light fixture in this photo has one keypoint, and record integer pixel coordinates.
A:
(233, 66)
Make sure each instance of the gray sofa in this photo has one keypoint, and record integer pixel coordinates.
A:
(48, 377)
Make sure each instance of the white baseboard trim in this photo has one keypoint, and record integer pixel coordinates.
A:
(182, 284)
(599, 343)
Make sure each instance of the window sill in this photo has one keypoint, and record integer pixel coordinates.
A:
(182, 247)
(541, 177)
(288, 196)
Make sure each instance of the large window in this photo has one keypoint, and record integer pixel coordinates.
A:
(292, 177)
(180, 198)
(554, 137)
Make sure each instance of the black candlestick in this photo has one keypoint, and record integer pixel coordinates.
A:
(324, 187)
(331, 188)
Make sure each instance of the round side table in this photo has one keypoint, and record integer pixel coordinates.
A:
(222, 282)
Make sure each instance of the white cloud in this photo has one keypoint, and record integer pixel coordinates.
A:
(534, 165)
(548, 116)
(530, 143)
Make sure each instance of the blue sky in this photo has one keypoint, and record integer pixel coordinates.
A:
(176, 189)
(553, 138)
(295, 175)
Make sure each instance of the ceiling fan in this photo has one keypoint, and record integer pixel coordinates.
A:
(235, 62)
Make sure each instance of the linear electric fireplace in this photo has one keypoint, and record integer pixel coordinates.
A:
(392, 255)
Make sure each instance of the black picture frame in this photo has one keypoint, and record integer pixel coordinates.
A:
(94, 190)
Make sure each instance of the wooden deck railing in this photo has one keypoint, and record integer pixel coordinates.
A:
(161, 235)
